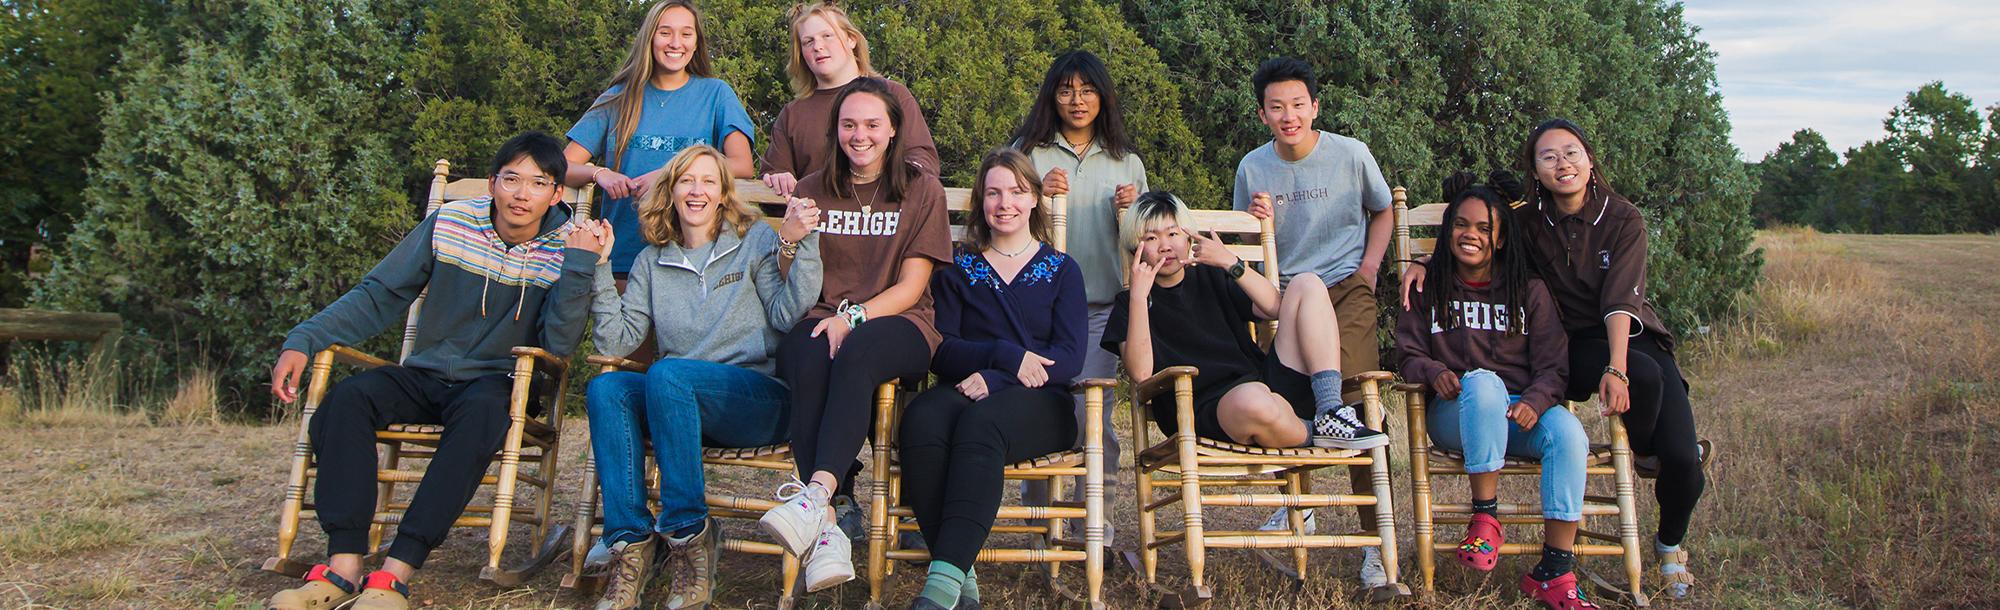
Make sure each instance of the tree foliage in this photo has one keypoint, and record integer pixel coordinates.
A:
(1793, 180)
(1936, 170)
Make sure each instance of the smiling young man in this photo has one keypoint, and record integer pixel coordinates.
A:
(503, 271)
(1331, 206)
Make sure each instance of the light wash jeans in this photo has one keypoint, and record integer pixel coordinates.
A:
(679, 406)
(1476, 423)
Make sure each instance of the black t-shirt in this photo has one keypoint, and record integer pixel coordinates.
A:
(1203, 322)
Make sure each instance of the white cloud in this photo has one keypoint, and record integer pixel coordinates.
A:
(1839, 66)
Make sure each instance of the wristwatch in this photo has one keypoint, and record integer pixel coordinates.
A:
(853, 313)
(1236, 271)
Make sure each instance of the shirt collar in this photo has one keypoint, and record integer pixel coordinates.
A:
(1593, 209)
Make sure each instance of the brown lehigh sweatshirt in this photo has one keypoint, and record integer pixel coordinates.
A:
(1534, 366)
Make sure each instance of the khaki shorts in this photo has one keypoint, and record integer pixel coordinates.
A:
(1354, 305)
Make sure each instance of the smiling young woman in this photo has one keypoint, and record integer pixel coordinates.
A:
(828, 52)
(663, 99)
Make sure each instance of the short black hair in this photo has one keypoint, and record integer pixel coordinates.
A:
(1281, 69)
(544, 149)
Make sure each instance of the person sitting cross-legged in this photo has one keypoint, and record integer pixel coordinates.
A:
(1191, 303)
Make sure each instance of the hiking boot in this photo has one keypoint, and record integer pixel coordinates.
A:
(1648, 466)
(847, 514)
(1342, 429)
(830, 562)
(630, 564)
(691, 567)
(383, 592)
(1559, 593)
(323, 590)
(1481, 548)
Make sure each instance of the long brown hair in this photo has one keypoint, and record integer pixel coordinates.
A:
(837, 172)
(637, 74)
(978, 234)
(803, 81)
(659, 218)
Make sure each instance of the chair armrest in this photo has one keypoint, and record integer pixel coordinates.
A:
(1161, 381)
(542, 357)
(618, 363)
(349, 355)
(1371, 376)
(1409, 387)
(1101, 382)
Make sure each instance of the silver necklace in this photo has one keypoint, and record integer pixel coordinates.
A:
(1023, 250)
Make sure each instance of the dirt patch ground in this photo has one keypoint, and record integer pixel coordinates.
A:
(1855, 408)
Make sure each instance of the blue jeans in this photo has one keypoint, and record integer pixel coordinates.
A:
(680, 406)
(1476, 423)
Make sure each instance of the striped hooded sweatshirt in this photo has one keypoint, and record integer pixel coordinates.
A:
(486, 296)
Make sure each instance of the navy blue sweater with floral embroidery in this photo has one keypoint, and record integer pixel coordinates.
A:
(988, 324)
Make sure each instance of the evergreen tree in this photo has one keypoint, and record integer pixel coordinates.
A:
(1794, 180)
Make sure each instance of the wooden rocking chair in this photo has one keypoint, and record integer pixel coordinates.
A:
(888, 518)
(531, 439)
(1272, 477)
(1613, 460)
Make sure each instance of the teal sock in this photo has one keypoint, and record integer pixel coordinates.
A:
(970, 590)
(944, 583)
(1326, 391)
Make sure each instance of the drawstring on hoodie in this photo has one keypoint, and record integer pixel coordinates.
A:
(506, 267)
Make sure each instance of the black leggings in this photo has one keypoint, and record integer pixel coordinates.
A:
(953, 450)
(1660, 421)
(833, 399)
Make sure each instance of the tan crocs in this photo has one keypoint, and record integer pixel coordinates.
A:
(323, 590)
(383, 592)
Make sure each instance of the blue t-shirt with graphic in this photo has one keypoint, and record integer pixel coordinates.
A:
(704, 111)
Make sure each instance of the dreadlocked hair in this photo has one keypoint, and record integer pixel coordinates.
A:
(1511, 270)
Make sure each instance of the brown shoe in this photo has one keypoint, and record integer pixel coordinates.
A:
(383, 592)
(691, 566)
(630, 564)
(323, 590)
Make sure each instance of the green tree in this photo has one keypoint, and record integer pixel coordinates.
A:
(247, 177)
(58, 62)
(1936, 135)
(1794, 180)
(1866, 190)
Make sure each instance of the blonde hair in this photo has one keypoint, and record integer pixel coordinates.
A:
(978, 234)
(1152, 210)
(803, 81)
(659, 218)
(637, 74)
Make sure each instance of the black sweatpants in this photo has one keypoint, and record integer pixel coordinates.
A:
(954, 449)
(474, 414)
(1660, 421)
(833, 399)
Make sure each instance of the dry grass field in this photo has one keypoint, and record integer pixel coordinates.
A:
(1855, 405)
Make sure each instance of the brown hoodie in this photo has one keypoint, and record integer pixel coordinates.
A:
(1535, 365)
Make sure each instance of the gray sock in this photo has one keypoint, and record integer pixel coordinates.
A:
(1326, 392)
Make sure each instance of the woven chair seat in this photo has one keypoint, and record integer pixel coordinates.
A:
(1206, 446)
(533, 427)
(1600, 455)
(767, 452)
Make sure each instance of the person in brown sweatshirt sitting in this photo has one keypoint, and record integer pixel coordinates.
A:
(1486, 337)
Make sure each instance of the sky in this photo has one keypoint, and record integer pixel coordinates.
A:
(1840, 66)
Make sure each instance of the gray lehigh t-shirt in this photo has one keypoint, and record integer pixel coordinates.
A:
(1322, 203)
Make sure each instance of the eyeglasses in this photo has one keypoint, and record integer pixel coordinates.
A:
(513, 183)
(1574, 155)
(1068, 95)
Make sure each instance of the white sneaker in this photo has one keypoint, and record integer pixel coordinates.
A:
(798, 518)
(831, 561)
(1372, 574)
(1282, 521)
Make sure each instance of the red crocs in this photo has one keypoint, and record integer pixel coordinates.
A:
(1560, 593)
(1481, 548)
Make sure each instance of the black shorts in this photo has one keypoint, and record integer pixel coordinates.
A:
(1295, 387)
